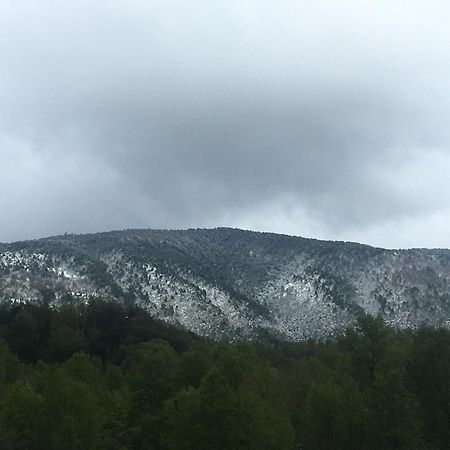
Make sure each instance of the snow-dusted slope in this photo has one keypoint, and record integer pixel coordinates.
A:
(228, 283)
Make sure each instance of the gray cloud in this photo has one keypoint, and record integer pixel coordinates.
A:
(318, 118)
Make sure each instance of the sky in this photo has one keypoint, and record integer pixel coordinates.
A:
(319, 118)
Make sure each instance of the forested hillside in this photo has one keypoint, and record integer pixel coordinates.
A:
(229, 284)
(106, 376)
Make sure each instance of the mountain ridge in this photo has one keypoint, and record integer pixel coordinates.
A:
(230, 283)
(187, 230)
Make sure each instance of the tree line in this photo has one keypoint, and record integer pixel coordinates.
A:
(108, 376)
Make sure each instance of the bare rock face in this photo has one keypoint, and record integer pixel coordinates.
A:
(233, 284)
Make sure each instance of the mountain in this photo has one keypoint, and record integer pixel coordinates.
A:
(229, 283)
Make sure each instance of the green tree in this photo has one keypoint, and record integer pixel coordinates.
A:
(394, 403)
(182, 428)
(150, 369)
(203, 418)
(264, 427)
(23, 336)
(22, 415)
(366, 344)
(73, 410)
(10, 367)
(430, 370)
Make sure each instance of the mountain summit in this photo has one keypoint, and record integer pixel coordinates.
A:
(229, 283)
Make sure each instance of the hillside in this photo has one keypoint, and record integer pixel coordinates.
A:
(229, 283)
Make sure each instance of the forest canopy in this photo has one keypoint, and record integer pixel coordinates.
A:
(107, 376)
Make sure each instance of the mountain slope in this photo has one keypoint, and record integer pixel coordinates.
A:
(228, 283)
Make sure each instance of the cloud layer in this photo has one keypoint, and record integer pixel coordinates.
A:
(317, 118)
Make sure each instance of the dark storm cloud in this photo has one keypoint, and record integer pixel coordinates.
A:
(326, 119)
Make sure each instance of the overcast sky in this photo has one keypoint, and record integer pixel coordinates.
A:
(319, 118)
